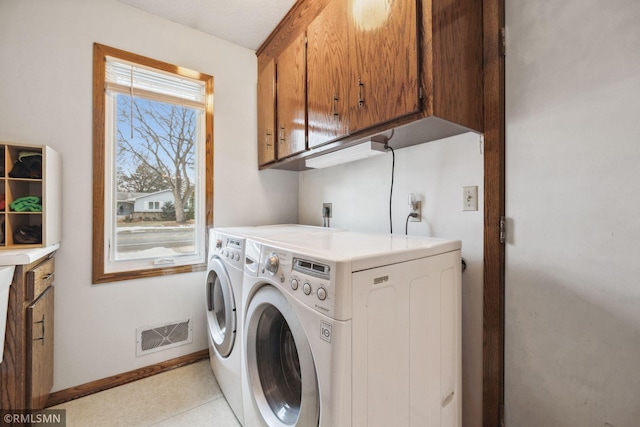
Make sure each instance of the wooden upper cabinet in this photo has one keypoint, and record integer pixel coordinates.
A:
(267, 113)
(328, 74)
(414, 66)
(290, 99)
(384, 81)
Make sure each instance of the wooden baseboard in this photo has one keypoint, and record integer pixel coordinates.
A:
(72, 393)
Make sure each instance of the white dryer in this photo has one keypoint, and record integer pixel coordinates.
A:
(223, 293)
(352, 329)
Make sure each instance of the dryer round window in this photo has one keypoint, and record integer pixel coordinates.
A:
(280, 365)
(220, 308)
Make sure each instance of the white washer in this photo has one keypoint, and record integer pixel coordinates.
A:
(352, 329)
(223, 292)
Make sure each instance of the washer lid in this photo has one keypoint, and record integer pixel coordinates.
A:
(364, 250)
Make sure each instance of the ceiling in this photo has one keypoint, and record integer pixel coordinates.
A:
(244, 22)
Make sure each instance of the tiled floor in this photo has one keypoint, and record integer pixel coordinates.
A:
(187, 396)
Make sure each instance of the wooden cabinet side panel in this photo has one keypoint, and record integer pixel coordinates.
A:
(328, 75)
(457, 61)
(384, 66)
(266, 113)
(291, 99)
(40, 350)
(12, 368)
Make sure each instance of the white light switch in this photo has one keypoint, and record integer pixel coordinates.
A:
(470, 198)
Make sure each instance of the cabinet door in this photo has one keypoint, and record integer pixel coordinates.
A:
(384, 62)
(267, 113)
(328, 74)
(291, 100)
(40, 350)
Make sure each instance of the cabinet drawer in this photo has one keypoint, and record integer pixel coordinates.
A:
(40, 278)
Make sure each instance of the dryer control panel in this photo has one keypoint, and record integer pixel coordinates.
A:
(306, 279)
(231, 249)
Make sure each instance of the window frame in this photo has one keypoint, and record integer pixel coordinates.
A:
(99, 275)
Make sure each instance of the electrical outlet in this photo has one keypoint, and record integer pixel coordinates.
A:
(326, 210)
(470, 198)
(417, 209)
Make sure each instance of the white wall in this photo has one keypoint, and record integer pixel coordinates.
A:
(359, 193)
(46, 98)
(573, 156)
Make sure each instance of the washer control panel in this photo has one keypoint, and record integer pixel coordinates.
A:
(308, 280)
(231, 249)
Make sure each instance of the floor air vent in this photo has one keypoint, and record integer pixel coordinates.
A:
(163, 337)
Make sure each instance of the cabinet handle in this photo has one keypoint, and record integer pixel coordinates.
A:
(266, 139)
(335, 105)
(42, 337)
(360, 99)
(281, 134)
(49, 277)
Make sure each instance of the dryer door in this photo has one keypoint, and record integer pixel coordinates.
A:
(221, 308)
(280, 366)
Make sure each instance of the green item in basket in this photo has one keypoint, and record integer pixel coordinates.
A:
(26, 204)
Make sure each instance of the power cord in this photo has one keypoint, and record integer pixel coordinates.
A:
(393, 169)
(406, 224)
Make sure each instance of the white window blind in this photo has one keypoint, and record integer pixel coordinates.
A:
(136, 80)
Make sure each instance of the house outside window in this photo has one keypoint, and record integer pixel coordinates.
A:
(153, 157)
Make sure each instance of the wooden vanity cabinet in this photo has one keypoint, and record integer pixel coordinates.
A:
(291, 78)
(26, 373)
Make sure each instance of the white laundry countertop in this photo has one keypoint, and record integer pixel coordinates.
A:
(25, 256)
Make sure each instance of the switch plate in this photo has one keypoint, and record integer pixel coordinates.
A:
(470, 198)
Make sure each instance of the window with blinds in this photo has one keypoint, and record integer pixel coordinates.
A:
(154, 132)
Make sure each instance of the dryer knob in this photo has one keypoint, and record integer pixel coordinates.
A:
(322, 294)
(294, 284)
(306, 288)
(218, 243)
(272, 264)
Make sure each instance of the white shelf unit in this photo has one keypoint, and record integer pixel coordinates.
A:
(48, 188)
